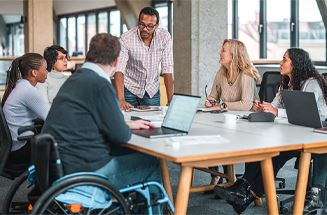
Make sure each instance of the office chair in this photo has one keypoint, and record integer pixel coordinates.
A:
(16, 172)
(269, 85)
(325, 75)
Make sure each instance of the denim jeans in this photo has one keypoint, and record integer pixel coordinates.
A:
(132, 169)
(146, 100)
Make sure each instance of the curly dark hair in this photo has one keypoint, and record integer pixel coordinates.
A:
(50, 54)
(302, 69)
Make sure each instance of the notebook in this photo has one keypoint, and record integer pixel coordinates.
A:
(178, 119)
(301, 108)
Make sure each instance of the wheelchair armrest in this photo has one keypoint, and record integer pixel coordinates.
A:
(26, 128)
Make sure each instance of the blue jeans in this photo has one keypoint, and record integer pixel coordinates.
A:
(146, 100)
(132, 169)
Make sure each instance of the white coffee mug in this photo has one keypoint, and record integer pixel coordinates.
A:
(230, 118)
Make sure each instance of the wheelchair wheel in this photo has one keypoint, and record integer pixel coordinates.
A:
(51, 203)
(13, 204)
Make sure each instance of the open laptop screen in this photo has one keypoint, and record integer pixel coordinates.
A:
(181, 112)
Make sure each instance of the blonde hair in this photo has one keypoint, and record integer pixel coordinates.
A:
(240, 62)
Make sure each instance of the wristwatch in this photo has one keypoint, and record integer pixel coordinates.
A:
(223, 106)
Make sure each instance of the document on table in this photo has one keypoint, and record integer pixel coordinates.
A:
(196, 140)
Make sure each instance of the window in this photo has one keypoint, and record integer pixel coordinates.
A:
(11, 35)
(312, 30)
(115, 23)
(278, 28)
(76, 30)
(81, 34)
(71, 35)
(248, 19)
(91, 28)
(103, 22)
(269, 27)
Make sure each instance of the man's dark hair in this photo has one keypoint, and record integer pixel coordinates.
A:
(104, 49)
(149, 11)
(50, 54)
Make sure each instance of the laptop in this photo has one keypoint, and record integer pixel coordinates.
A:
(178, 119)
(301, 108)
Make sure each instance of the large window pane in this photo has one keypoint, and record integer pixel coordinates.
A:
(63, 27)
(115, 23)
(163, 13)
(81, 34)
(230, 18)
(91, 27)
(71, 35)
(103, 22)
(278, 21)
(248, 18)
(312, 30)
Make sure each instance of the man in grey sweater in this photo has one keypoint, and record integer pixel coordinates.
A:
(86, 121)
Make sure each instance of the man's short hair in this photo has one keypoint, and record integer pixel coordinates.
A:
(149, 11)
(104, 49)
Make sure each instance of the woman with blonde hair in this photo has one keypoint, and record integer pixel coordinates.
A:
(234, 86)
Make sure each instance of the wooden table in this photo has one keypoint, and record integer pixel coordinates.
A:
(243, 142)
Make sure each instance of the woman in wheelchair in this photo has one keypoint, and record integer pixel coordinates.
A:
(87, 123)
(298, 73)
(22, 103)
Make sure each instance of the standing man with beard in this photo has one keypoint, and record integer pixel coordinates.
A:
(144, 49)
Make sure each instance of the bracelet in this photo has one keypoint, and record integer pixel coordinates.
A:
(223, 106)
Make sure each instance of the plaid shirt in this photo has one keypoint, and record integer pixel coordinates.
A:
(140, 64)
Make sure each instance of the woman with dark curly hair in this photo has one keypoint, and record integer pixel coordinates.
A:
(56, 57)
(298, 73)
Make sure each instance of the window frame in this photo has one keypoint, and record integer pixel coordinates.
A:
(294, 30)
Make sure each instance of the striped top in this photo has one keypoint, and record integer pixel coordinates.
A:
(309, 85)
(23, 105)
(142, 64)
(237, 96)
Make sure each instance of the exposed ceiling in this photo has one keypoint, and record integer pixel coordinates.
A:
(15, 7)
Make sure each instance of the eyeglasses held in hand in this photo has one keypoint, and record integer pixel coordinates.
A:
(213, 102)
(150, 26)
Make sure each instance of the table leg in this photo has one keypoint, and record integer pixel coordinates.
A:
(301, 183)
(183, 190)
(269, 185)
(166, 179)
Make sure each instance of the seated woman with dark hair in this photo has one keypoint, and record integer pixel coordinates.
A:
(22, 103)
(298, 73)
(56, 57)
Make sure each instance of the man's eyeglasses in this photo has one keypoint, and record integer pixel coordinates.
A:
(150, 26)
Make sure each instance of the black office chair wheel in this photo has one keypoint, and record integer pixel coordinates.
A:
(48, 204)
(283, 210)
(13, 204)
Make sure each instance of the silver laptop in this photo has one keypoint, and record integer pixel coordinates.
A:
(301, 108)
(178, 119)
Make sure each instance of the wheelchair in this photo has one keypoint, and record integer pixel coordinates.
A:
(84, 192)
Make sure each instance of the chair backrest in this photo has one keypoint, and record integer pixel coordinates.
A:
(5, 142)
(45, 157)
(269, 86)
(325, 75)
